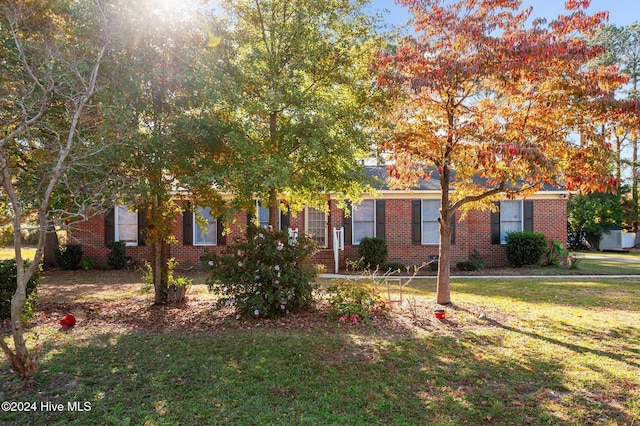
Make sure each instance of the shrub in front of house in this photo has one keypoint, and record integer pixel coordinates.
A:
(373, 251)
(68, 256)
(393, 267)
(117, 256)
(268, 275)
(8, 285)
(474, 264)
(525, 248)
(354, 302)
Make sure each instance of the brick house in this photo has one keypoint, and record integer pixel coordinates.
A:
(407, 219)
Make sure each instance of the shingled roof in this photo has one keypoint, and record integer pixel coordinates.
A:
(380, 174)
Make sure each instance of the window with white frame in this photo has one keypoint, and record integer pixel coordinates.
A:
(364, 221)
(205, 231)
(263, 217)
(430, 227)
(510, 218)
(316, 225)
(126, 226)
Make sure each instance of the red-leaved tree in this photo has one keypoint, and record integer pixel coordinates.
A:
(498, 105)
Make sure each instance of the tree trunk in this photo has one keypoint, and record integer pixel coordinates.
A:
(443, 289)
(20, 360)
(159, 254)
(51, 244)
(634, 183)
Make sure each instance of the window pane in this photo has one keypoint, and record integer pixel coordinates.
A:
(510, 218)
(430, 233)
(430, 210)
(363, 221)
(263, 217)
(208, 234)
(510, 211)
(362, 230)
(316, 225)
(127, 225)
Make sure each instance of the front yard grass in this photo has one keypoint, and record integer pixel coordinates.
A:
(533, 351)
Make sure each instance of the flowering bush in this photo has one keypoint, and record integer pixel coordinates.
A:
(265, 276)
(354, 302)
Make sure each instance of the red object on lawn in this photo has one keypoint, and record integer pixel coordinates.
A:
(441, 314)
(68, 321)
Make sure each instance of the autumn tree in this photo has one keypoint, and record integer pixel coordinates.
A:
(493, 106)
(294, 86)
(50, 67)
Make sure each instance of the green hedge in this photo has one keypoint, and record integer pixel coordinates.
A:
(525, 248)
(373, 251)
(8, 285)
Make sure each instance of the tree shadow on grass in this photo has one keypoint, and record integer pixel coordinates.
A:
(348, 376)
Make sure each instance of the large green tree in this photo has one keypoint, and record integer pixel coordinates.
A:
(51, 57)
(294, 87)
(591, 216)
(158, 49)
(622, 46)
(483, 94)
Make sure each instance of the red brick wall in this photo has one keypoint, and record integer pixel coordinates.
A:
(472, 233)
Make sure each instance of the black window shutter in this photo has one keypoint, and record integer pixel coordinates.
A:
(109, 227)
(416, 222)
(187, 225)
(453, 221)
(380, 219)
(285, 220)
(347, 223)
(221, 237)
(142, 226)
(528, 216)
(495, 225)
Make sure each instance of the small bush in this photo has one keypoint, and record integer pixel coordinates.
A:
(8, 285)
(117, 256)
(432, 265)
(354, 302)
(266, 276)
(373, 251)
(88, 263)
(393, 267)
(525, 248)
(68, 256)
(468, 265)
(474, 264)
(557, 255)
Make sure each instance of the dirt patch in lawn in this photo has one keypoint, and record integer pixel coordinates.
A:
(113, 302)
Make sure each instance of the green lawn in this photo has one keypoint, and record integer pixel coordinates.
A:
(9, 253)
(512, 351)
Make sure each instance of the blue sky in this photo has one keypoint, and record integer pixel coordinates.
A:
(621, 12)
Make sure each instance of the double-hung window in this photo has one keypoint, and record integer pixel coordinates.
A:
(430, 212)
(316, 225)
(263, 218)
(126, 225)
(511, 215)
(364, 221)
(205, 231)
